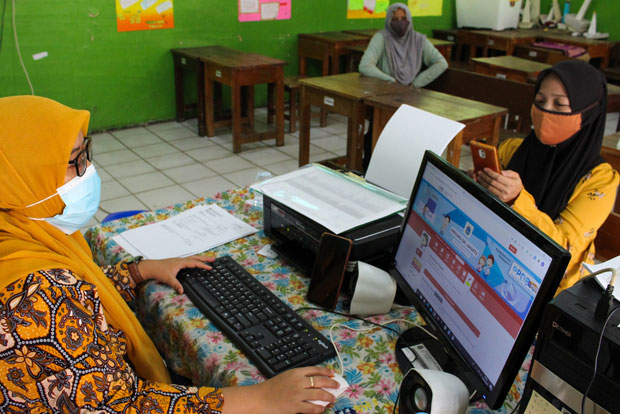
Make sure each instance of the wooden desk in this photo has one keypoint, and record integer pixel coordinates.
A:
(238, 69)
(343, 94)
(362, 32)
(543, 55)
(355, 53)
(509, 67)
(498, 40)
(337, 42)
(597, 49)
(482, 121)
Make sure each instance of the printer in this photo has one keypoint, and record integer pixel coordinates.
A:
(565, 352)
(297, 237)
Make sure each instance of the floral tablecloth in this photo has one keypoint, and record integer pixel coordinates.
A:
(194, 347)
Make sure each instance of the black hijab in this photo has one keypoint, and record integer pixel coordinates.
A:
(550, 173)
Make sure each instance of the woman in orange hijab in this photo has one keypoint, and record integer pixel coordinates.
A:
(68, 340)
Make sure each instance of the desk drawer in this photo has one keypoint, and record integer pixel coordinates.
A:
(501, 73)
(218, 73)
(186, 62)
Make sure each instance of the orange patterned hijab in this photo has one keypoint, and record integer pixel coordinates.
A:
(36, 138)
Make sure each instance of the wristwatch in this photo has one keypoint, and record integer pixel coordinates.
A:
(132, 266)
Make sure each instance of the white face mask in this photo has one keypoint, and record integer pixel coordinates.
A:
(81, 196)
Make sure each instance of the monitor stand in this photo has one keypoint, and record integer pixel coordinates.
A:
(418, 345)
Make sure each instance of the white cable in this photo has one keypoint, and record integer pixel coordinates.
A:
(331, 338)
(19, 54)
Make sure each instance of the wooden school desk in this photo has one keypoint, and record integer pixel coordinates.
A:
(504, 40)
(509, 67)
(337, 43)
(482, 121)
(222, 65)
(362, 32)
(342, 94)
(544, 55)
(597, 49)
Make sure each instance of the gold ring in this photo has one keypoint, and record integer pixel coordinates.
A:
(311, 382)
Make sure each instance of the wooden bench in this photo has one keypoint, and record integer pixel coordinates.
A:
(517, 97)
(607, 240)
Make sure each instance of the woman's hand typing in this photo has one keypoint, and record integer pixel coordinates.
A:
(166, 270)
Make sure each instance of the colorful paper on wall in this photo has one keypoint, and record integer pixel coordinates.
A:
(144, 15)
(367, 9)
(258, 10)
(425, 7)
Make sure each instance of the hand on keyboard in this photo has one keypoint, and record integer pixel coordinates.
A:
(271, 334)
(286, 393)
(165, 270)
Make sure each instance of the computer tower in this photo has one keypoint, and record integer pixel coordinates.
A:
(565, 353)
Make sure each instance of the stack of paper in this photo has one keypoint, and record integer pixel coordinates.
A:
(191, 232)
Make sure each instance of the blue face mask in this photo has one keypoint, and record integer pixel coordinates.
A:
(81, 196)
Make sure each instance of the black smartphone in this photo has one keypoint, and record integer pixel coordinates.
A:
(328, 272)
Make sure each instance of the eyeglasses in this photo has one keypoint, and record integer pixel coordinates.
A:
(80, 161)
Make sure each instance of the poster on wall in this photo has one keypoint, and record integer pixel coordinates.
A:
(144, 15)
(425, 7)
(258, 10)
(367, 9)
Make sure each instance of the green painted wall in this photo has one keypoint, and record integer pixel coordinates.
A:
(607, 14)
(127, 78)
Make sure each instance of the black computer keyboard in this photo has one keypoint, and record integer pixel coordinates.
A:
(268, 331)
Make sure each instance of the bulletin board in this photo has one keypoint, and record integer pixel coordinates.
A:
(425, 7)
(367, 9)
(259, 10)
(144, 15)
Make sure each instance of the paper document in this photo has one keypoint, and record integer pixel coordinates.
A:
(396, 159)
(269, 11)
(331, 198)
(248, 6)
(191, 232)
(604, 278)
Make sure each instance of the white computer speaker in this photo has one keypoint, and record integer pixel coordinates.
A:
(432, 392)
(373, 291)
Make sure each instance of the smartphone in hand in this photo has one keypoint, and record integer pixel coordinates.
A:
(328, 272)
(484, 156)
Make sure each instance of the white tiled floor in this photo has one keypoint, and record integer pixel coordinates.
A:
(160, 164)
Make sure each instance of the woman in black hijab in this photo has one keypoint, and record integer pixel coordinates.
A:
(555, 177)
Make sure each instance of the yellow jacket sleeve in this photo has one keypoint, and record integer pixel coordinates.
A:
(575, 228)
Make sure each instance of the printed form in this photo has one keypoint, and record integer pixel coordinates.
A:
(191, 232)
(330, 198)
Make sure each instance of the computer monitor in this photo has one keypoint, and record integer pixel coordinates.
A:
(478, 273)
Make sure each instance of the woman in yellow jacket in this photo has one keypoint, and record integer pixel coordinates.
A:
(556, 177)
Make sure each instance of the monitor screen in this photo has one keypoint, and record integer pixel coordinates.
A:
(477, 272)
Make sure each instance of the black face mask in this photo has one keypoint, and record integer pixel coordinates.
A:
(399, 26)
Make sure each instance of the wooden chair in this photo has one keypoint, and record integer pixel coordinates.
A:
(607, 240)
(308, 49)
